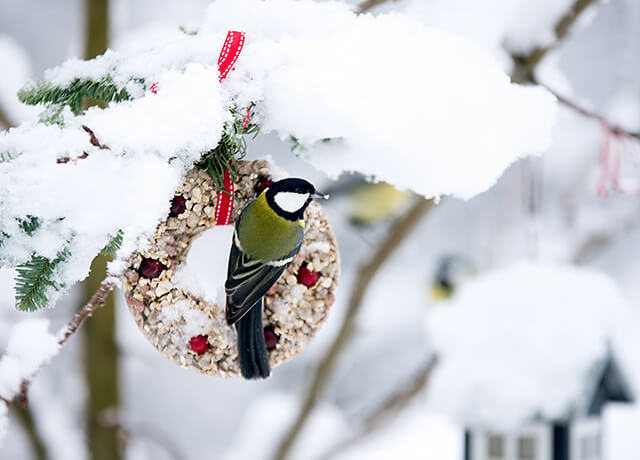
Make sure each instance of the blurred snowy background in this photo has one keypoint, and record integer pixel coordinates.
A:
(542, 308)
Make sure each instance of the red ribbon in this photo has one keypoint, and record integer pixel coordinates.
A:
(224, 202)
(228, 56)
(601, 189)
(230, 51)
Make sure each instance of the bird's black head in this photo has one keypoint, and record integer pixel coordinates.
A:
(290, 197)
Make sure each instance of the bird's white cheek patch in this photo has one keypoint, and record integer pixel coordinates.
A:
(290, 201)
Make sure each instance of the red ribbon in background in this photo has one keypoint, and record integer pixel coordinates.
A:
(228, 56)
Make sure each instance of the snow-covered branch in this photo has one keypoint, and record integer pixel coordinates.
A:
(31, 347)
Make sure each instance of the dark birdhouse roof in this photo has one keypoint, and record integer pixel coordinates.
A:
(607, 384)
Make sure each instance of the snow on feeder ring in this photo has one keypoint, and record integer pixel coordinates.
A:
(191, 330)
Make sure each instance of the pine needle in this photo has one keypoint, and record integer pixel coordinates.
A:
(29, 224)
(6, 156)
(231, 148)
(34, 280)
(104, 90)
(112, 247)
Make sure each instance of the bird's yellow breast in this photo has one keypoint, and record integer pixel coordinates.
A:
(264, 235)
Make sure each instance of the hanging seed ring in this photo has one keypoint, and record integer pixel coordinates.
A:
(193, 332)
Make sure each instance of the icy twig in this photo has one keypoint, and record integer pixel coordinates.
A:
(390, 407)
(397, 234)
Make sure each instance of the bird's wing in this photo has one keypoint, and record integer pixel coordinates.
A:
(249, 279)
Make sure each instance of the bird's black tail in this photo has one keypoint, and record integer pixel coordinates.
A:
(252, 351)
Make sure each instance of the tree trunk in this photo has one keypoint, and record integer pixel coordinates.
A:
(101, 370)
(101, 355)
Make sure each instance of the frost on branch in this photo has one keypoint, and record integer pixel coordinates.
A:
(416, 107)
(84, 194)
(409, 105)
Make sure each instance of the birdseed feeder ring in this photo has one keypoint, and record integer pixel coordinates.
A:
(193, 332)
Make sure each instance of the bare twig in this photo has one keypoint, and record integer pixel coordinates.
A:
(93, 139)
(5, 122)
(96, 301)
(369, 4)
(392, 405)
(397, 401)
(615, 129)
(525, 64)
(398, 232)
(595, 243)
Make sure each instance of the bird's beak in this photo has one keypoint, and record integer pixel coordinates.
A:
(318, 194)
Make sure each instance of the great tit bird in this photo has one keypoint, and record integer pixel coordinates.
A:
(374, 203)
(451, 270)
(369, 203)
(267, 237)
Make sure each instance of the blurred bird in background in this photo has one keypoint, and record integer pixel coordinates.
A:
(370, 203)
(451, 271)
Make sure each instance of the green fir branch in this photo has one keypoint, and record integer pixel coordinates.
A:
(104, 90)
(29, 224)
(298, 147)
(7, 156)
(231, 148)
(52, 115)
(188, 31)
(34, 280)
(3, 237)
(112, 247)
